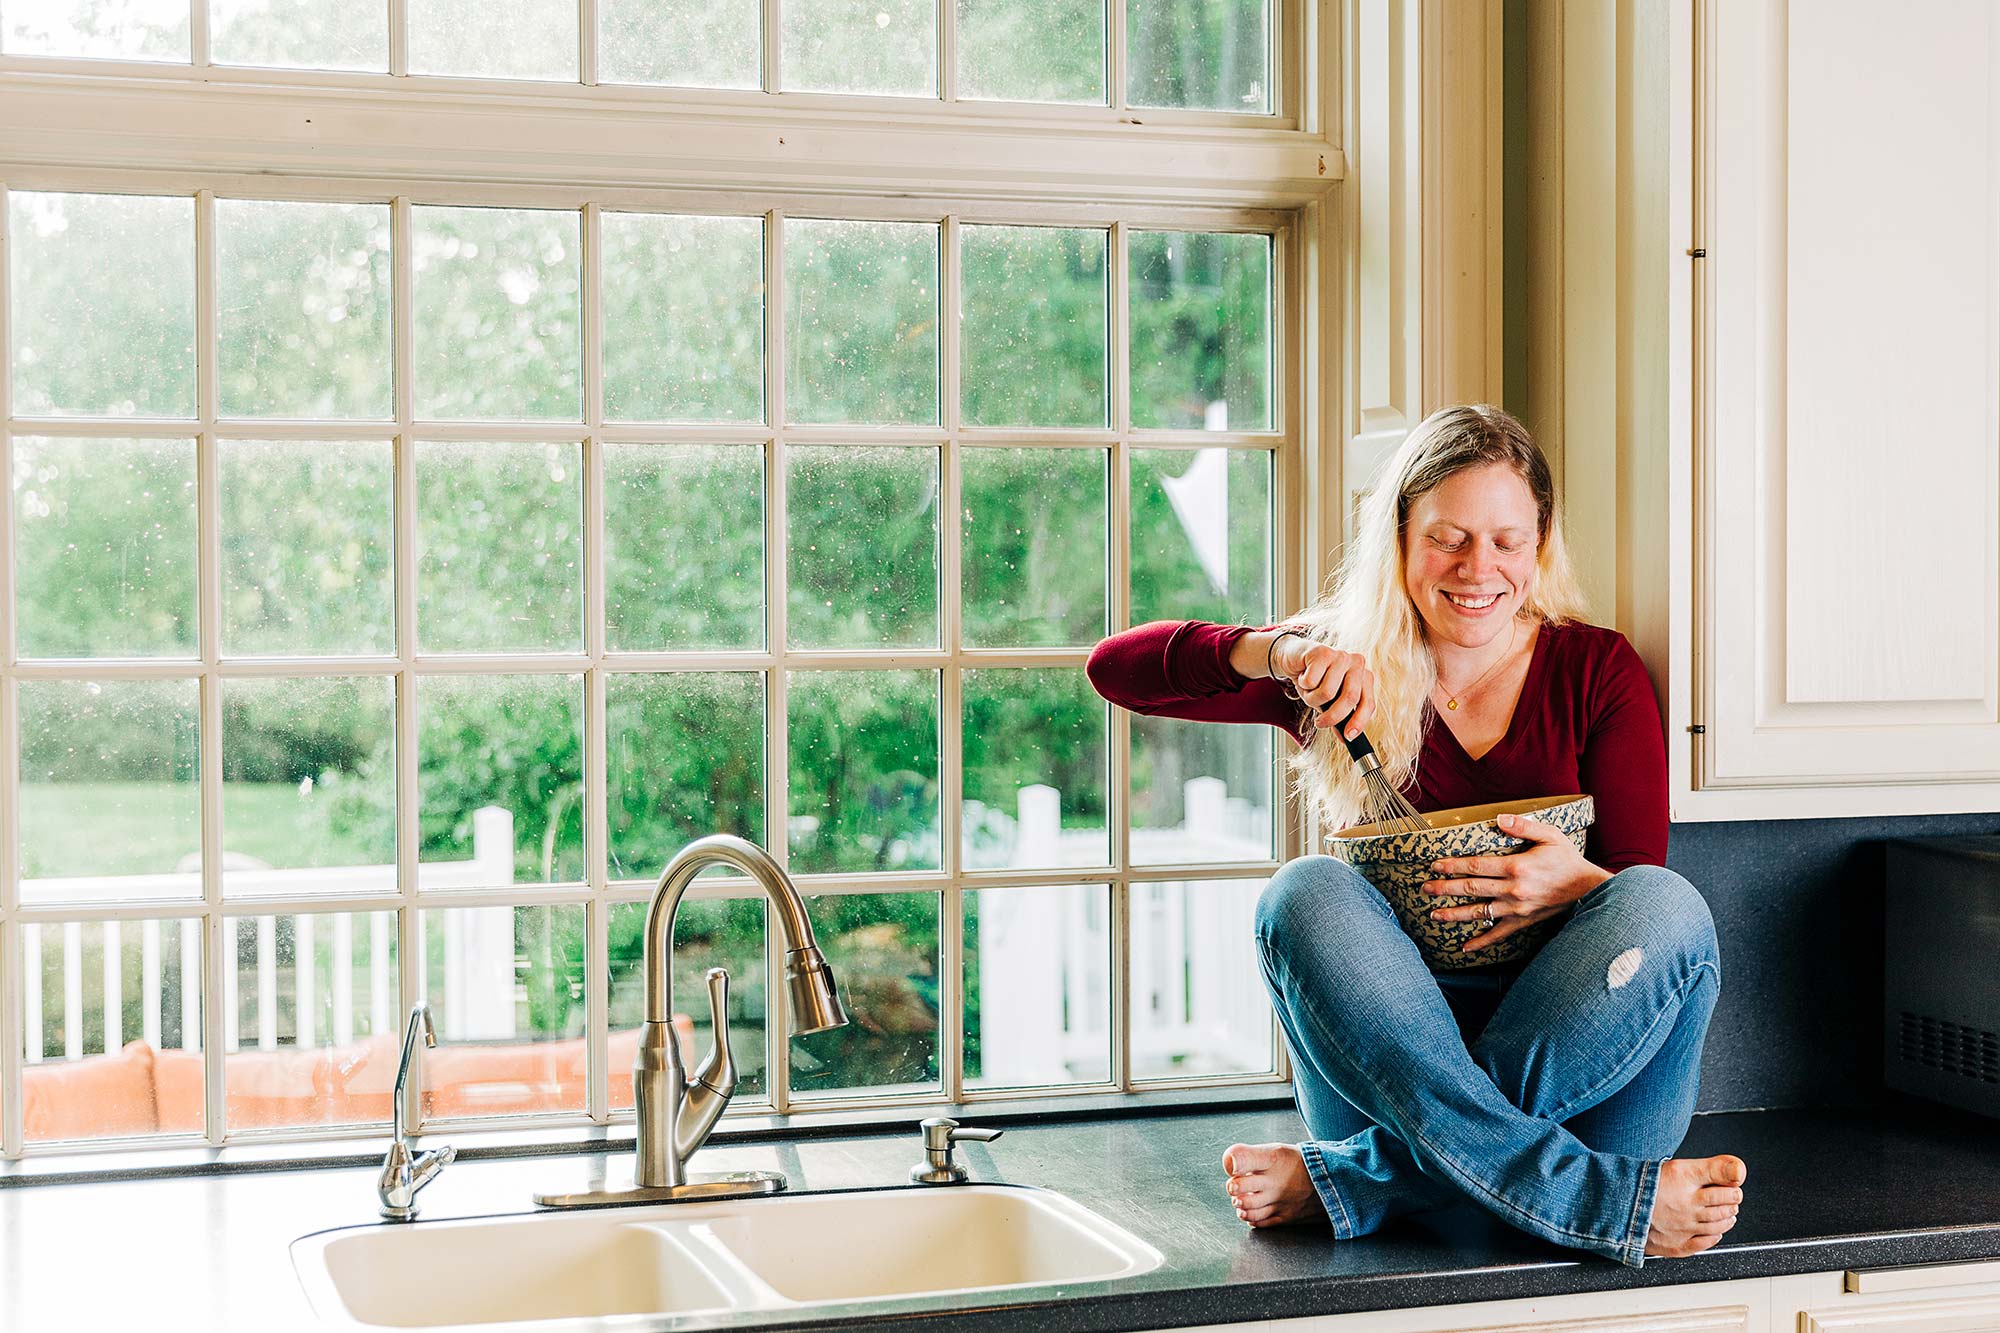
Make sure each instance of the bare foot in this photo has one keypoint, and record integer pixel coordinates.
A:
(1269, 1185)
(1695, 1203)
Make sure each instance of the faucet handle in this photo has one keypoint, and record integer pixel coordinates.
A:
(715, 1082)
(718, 1071)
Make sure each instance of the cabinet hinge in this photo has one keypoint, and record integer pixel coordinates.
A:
(1698, 253)
(1697, 730)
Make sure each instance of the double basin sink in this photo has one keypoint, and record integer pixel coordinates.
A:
(768, 1255)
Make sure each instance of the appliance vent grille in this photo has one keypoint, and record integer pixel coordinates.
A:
(1950, 1048)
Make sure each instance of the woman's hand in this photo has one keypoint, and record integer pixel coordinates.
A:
(1530, 885)
(1339, 686)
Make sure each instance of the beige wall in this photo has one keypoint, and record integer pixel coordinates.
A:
(1586, 267)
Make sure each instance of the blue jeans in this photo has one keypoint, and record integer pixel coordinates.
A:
(1554, 1113)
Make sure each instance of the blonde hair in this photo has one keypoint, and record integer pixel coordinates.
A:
(1367, 609)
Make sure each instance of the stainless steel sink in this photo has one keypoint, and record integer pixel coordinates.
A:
(545, 1270)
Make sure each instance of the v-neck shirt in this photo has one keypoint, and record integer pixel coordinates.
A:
(1586, 721)
(1433, 718)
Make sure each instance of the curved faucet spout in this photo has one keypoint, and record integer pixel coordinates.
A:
(816, 1007)
(674, 1117)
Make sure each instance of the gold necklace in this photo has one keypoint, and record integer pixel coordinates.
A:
(1451, 697)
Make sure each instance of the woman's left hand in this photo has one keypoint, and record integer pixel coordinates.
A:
(1527, 886)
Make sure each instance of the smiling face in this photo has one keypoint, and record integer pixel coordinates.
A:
(1469, 551)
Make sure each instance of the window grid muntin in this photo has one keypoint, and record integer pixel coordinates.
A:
(1286, 30)
(597, 894)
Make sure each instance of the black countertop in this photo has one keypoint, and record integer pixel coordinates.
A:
(1828, 1190)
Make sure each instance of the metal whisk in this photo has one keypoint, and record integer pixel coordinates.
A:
(1384, 807)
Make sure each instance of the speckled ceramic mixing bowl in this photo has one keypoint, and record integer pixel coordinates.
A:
(1399, 865)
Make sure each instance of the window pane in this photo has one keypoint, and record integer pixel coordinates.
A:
(1200, 792)
(861, 316)
(300, 34)
(1210, 54)
(506, 990)
(1035, 780)
(308, 785)
(726, 933)
(686, 759)
(1201, 535)
(1201, 331)
(494, 39)
(683, 546)
(683, 317)
(302, 309)
(112, 1034)
(120, 29)
(883, 948)
(1034, 323)
(498, 315)
(312, 1010)
(1033, 546)
(1198, 1002)
(499, 765)
(860, 46)
(863, 547)
(1031, 50)
(688, 43)
(1037, 986)
(864, 770)
(108, 790)
(307, 557)
(105, 537)
(499, 547)
(102, 290)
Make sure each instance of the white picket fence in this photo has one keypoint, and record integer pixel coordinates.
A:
(1197, 1001)
(1044, 954)
(478, 974)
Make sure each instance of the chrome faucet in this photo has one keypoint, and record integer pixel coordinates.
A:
(675, 1116)
(403, 1174)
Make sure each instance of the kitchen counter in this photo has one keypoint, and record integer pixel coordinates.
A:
(1827, 1190)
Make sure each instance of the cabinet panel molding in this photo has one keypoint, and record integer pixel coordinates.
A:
(1922, 1276)
(1977, 1314)
(1530, 1316)
(1852, 369)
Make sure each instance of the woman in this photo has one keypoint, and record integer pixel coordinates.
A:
(1553, 1092)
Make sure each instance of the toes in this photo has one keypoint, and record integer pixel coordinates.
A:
(1249, 1159)
(1728, 1170)
(1261, 1217)
(1715, 1213)
(1716, 1194)
(1248, 1195)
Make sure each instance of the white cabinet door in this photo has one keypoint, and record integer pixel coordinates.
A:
(1927, 1298)
(1709, 1307)
(1972, 1314)
(1849, 493)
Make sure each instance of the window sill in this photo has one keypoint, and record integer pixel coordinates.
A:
(91, 1166)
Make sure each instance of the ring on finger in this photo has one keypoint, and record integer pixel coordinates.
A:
(1489, 909)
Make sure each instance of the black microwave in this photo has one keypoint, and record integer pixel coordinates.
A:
(1941, 993)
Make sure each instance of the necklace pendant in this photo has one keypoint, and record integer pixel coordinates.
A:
(1452, 704)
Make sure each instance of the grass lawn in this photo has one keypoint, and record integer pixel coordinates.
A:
(131, 828)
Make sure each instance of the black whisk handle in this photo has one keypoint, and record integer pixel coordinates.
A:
(1357, 745)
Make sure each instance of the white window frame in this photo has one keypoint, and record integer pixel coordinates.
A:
(86, 126)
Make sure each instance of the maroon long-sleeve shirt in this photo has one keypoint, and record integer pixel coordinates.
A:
(1586, 721)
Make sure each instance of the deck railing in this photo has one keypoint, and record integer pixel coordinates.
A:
(1043, 970)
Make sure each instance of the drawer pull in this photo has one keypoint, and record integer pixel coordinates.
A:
(1923, 1275)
